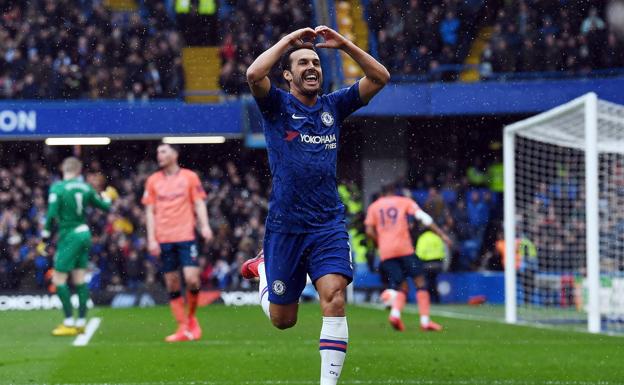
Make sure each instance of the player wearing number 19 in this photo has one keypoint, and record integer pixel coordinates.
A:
(387, 223)
(67, 202)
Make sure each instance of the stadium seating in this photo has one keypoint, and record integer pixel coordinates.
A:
(97, 53)
(417, 40)
(135, 53)
(432, 41)
(237, 203)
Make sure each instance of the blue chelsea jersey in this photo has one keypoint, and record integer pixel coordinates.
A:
(302, 143)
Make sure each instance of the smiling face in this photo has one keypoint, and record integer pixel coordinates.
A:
(305, 75)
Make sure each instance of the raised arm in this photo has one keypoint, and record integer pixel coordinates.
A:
(427, 221)
(258, 71)
(376, 76)
(436, 229)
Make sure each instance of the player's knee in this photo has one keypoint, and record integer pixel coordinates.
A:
(284, 322)
(333, 302)
(172, 282)
(59, 279)
(173, 286)
(193, 284)
(420, 283)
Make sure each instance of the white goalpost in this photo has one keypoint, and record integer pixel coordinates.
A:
(564, 217)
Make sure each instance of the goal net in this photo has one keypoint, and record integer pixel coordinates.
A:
(564, 217)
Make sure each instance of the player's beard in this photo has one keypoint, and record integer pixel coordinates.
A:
(304, 88)
(165, 162)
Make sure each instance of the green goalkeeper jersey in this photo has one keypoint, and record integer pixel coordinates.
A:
(67, 202)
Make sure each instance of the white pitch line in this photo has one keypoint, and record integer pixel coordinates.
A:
(458, 381)
(92, 325)
(474, 317)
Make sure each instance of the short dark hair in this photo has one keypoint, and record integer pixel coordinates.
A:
(285, 63)
(389, 188)
(174, 147)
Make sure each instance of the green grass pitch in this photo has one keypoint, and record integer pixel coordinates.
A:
(240, 347)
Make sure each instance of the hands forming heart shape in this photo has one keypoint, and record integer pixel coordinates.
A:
(305, 37)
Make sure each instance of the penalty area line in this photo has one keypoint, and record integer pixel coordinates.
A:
(92, 326)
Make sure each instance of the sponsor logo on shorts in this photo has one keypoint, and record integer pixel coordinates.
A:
(278, 287)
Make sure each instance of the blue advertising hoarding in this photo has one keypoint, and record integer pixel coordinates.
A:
(119, 120)
(122, 120)
(487, 98)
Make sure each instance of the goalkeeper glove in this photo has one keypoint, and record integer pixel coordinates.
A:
(110, 193)
(42, 247)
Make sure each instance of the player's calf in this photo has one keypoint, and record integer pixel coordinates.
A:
(333, 343)
(334, 332)
(331, 290)
(396, 301)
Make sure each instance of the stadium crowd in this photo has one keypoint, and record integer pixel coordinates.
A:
(422, 37)
(237, 206)
(417, 37)
(467, 204)
(251, 28)
(70, 49)
(99, 54)
(548, 36)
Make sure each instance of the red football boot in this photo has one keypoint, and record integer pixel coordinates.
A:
(431, 327)
(182, 334)
(396, 323)
(194, 328)
(249, 269)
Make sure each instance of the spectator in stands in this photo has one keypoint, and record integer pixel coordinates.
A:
(237, 202)
(529, 60)
(463, 230)
(435, 206)
(566, 40)
(449, 28)
(417, 38)
(592, 23)
(477, 173)
(249, 29)
(55, 49)
(478, 214)
(613, 52)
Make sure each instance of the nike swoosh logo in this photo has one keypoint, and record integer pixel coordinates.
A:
(298, 117)
(334, 365)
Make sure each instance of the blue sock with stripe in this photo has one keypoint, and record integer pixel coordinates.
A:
(333, 348)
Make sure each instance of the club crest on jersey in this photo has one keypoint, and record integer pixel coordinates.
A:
(278, 287)
(327, 119)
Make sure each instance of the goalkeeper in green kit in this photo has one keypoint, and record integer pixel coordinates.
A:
(67, 202)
